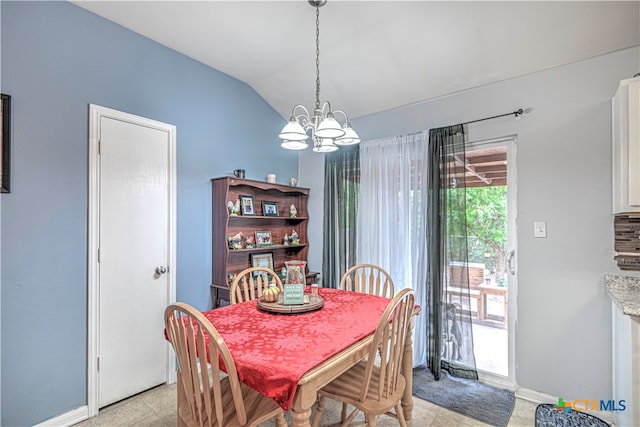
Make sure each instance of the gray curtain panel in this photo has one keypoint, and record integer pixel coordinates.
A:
(342, 186)
(450, 338)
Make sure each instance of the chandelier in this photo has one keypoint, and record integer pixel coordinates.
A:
(326, 133)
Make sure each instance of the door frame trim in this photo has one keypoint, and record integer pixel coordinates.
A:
(96, 113)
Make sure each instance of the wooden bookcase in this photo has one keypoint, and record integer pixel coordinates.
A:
(226, 261)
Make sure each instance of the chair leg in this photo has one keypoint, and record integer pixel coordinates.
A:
(400, 415)
(350, 418)
(280, 420)
(371, 420)
(318, 414)
(343, 415)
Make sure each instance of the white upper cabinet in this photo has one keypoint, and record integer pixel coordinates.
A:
(626, 146)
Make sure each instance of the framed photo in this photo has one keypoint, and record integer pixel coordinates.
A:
(246, 205)
(264, 259)
(270, 208)
(263, 238)
(5, 143)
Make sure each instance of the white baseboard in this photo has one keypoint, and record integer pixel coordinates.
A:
(497, 381)
(67, 419)
(535, 396)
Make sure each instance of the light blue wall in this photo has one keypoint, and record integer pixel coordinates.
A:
(563, 326)
(57, 59)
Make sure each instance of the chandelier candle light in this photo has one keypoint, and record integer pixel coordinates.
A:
(325, 131)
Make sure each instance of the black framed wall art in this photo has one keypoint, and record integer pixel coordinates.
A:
(5, 141)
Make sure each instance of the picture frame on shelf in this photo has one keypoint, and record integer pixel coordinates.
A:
(263, 238)
(246, 205)
(270, 208)
(262, 259)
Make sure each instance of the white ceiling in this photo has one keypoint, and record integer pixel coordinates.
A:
(378, 55)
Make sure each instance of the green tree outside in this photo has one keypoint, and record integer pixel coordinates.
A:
(486, 209)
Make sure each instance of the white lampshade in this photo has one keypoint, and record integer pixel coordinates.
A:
(326, 146)
(293, 131)
(294, 145)
(350, 136)
(329, 128)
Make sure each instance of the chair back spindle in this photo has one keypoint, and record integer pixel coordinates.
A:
(389, 343)
(367, 279)
(251, 283)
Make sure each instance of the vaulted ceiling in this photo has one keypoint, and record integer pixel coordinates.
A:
(378, 55)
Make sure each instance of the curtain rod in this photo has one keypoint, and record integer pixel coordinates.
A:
(516, 113)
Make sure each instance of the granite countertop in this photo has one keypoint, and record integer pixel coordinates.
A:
(624, 292)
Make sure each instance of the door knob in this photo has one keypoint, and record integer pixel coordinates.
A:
(161, 269)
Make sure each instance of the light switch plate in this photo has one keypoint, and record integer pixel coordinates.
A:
(540, 229)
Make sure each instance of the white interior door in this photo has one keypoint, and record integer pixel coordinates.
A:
(134, 239)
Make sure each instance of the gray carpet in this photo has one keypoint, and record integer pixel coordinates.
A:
(467, 397)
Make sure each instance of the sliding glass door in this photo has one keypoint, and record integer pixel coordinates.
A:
(490, 269)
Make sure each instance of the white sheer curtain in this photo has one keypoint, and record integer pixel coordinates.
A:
(392, 217)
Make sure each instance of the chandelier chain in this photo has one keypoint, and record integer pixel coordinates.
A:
(326, 133)
(317, 57)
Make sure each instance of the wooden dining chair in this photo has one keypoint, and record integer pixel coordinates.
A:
(368, 279)
(375, 385)
(211, 398)
(251, 283)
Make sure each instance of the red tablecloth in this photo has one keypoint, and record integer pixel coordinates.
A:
(273, 351)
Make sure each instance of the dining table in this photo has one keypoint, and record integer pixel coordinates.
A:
(289, 357)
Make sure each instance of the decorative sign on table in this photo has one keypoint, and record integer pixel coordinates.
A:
(293, 294)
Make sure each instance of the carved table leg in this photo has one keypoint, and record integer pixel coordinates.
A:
(301, 418)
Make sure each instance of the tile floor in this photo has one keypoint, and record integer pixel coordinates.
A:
(156, 408)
